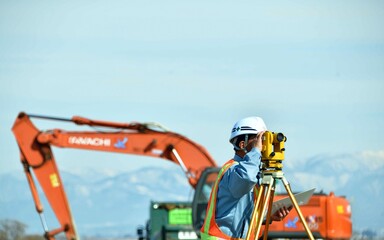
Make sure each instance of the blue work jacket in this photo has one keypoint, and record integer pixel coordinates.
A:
(235, 197)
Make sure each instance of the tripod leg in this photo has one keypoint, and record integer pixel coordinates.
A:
(263, 208)
(269, 213)
(288, 188)
(259, 207)
(255, 212)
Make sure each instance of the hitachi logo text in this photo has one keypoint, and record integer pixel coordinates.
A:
(106, 142)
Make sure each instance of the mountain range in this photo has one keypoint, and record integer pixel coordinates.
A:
(116, 204)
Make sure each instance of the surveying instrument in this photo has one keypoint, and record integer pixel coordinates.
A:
(272, 155)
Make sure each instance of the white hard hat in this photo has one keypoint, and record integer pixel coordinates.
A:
(248, 125)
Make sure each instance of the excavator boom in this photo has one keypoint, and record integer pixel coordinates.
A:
(127, 138)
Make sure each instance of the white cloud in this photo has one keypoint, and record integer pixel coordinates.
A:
(144, 190)
(373, 159)
(82, 190)
(310, 180)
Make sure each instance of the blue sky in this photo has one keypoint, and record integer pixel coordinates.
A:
(312, 69)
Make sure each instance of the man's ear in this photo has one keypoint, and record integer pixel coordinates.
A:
(242, 144)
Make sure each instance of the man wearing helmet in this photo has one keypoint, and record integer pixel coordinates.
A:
(232, 198)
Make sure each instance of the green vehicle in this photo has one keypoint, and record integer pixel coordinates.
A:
(168, 220)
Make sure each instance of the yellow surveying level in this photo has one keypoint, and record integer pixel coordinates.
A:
(273, 146)
(272, 155)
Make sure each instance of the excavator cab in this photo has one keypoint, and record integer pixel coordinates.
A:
(201, 197)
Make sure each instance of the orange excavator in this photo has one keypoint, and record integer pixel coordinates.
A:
(329, 215)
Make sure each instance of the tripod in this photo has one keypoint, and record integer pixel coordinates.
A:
(272, 156)
(266, 192)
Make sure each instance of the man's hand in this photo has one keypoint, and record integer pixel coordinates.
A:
(258, 142)
(281, 214)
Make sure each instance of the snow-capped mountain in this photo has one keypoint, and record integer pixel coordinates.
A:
(106, 203)
(103, 205)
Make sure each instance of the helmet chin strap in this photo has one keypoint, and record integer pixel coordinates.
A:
(245, 144)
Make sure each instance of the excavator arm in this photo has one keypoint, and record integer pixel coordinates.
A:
(127, 138)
